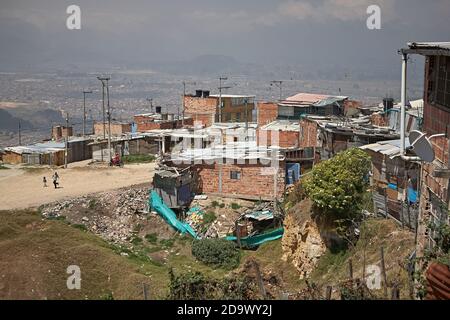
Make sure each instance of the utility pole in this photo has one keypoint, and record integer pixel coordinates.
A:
(104, 81)
(151, 104)
(20, 135)
(184, 105)
(279, 84)
(84, 111)
(109, 122)
(67, 141)
(220, 95)
(246, 119)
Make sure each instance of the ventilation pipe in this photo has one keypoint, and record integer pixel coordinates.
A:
(403, 111)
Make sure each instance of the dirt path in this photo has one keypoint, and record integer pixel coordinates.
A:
(23, 188)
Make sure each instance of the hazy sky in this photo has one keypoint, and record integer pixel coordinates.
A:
(319, 32)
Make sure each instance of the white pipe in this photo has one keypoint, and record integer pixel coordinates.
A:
(437, 136)
(403, 104)
(403, 111)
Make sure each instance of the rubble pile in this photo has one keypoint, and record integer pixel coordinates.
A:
(112, 215)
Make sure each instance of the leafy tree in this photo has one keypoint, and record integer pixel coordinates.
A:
(338, 185)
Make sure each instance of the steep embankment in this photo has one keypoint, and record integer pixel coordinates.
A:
(305, 246)
(35, 254)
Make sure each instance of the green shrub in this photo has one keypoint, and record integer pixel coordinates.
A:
(151, 237)
(82, 227)
(136, 240)
(209, 218)
(92, 203)
(214, 204)
(235, 206)
(167, 243)
(197, 286)
(217, 253)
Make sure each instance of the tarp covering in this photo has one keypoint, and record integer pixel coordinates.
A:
(259, 239)
(169, 216)
(260, 215)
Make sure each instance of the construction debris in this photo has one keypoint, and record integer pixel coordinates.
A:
(115, 216)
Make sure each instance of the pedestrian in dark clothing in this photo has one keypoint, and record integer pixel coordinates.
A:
(55, 179)
(44, 180)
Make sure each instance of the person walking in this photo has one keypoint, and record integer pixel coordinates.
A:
(55, 179)
(44, 180)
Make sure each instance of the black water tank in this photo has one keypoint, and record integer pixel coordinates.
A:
(158, 109)
(198, 93)
(388, 104)
(206, 94)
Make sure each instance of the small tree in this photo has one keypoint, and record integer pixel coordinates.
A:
(337, 185)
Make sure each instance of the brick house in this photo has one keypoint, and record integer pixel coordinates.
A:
(204, 108)
(60, 132)
(153, 121)
(246, 171)
(266, 112)
(117, 128)
(435, 175)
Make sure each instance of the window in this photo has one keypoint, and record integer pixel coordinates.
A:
(235, 175)
(439, 80)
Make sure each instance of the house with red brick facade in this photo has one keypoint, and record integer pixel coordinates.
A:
(204, 108)
(235, 170)
(157, 121)
(435, 194)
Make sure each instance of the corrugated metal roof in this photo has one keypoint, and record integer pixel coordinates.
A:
(232, 96)
(307, 98)
(429, 45)
(235, 151)
(328, 101)
(390, 148)
(283, 125)
(45, 147)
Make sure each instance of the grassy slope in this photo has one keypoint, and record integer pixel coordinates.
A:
(35, 253)
(375, 233)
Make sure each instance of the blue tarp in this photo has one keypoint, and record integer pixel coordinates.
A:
(259, 239)
(412, 195)
(167, 214)
(392, 186)
(292, 173)
(157, 204)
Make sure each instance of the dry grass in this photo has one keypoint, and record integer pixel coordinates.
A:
(35, 253)
(375, 233)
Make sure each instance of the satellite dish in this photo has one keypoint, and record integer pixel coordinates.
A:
(413, 136)
(421, 146)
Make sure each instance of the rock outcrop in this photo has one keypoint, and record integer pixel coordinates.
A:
(302, 243)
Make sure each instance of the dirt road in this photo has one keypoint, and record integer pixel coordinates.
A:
(22, 187)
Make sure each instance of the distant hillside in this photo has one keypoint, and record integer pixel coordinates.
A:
(10, 123)
(29, 118)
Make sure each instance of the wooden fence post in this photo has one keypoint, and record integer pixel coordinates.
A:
(383, 270)
(328, 292)
(350, 269)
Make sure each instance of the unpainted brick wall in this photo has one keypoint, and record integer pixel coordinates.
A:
(267, 112)
(254, 182)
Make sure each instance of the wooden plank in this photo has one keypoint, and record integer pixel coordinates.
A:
(441, 173)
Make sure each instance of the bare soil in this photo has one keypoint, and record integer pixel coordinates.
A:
(22, 187)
